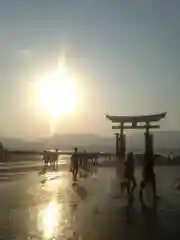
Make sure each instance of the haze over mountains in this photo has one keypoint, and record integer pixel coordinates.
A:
(94, 142)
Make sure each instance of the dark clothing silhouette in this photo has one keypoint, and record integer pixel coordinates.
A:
(74, 164)
(75, 160)
(129, 172)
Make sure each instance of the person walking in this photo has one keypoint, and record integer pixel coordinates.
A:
(148, 178)
(75, 164)
(129, 173)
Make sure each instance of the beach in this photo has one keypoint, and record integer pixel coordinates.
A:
(37, 204)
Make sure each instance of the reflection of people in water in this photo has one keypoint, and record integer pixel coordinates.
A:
(129, 172)
(75, 164)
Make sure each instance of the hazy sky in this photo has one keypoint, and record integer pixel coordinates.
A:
(125, 52)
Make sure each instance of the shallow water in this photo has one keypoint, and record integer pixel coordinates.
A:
(45, 205)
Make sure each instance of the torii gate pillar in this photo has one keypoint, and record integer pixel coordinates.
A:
(148, 143)
(120, 144)
(117, 144)
(149, 149)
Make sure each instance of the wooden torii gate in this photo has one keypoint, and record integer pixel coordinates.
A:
(134, 123)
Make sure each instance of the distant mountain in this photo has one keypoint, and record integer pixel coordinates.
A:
(13, 142)
(64, 142)
(162, 139)
(94, 142)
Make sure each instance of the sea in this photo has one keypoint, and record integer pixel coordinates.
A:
(162, 151)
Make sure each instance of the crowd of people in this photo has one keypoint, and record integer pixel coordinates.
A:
(50, 157)
(78, 160)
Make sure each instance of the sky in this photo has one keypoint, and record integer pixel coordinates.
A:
(125, 55)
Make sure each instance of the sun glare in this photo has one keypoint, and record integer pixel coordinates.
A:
(56, 93)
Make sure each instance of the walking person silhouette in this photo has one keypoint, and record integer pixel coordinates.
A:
(75, 164)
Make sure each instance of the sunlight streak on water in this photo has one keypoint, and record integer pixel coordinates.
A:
(49, 217)
(54, 217)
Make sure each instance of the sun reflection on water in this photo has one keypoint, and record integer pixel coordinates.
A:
(54, 217)
(49, 217)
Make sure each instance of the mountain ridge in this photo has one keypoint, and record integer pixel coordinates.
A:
(162, 139)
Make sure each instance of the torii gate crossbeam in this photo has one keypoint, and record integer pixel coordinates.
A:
(134, 122)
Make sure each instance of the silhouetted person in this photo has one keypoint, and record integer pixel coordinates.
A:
(129, 172)
(171, 156)
(2, 152)
(85, 159)
(56, 157)
(148, 177)
(75, 163)
(44, 157)
(94, 158)
(51, 158)
(81, 159)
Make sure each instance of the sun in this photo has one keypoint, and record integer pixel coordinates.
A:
(56, 93)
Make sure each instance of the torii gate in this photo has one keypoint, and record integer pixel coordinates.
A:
(133, 123)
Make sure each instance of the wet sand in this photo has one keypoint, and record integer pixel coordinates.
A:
(46, 205)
